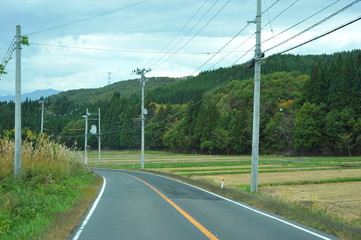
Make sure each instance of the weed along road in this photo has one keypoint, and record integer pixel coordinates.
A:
(137, 205)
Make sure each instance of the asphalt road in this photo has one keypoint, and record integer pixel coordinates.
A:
(136, 205)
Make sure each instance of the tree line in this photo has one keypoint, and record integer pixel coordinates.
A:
(310, 105)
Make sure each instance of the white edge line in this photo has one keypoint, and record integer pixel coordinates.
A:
(251, 209)
(90, 213)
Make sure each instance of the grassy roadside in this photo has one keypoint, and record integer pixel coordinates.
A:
(65, 222)
(39, 204)
(315, 218)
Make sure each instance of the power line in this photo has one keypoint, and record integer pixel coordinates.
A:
(165, 47)
(286, 9)
(322, 35)
(301, 21)
(222, 86)
(195, 34)
(314, 25)
(234, 50)
(178, 42)
(119, 50)
(8, 54)
(221, 48)
(88, 18)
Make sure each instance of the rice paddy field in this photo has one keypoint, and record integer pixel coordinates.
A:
(330, 184)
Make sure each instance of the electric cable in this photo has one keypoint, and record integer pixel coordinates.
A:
(221, 48)
(117, 50)
(8, 55)
(314, 25)
(195, 34)
(185, 25)
(234, 50)
(286, 9)
(302, 20)
(88, 18)
(185, 35)
(322, 35)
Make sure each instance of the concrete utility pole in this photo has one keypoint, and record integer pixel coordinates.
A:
(99, 136)
(86, 138)
(143, 111)
(256, 104)
(17, 155)
(42, 117)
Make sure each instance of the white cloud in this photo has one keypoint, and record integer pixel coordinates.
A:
(143, 30)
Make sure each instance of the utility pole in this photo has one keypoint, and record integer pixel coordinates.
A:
(17, 150)
(143, 111)
(86, 138)
(42, 117)
(99, 136)
(256, 103)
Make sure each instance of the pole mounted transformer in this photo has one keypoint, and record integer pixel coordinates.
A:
(143, 112)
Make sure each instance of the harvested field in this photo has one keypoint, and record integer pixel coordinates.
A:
(341, 199)
(283, 177)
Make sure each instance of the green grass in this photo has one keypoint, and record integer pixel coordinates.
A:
(29, 206)
(334, 180)
(51, 181)
(260, 171)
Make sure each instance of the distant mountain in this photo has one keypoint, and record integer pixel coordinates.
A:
(37, 94)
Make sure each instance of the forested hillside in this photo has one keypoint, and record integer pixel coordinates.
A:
(310, 105)
(124, 88)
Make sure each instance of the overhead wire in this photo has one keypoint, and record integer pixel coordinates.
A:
(283, 11)
(175, 36)
(196, 34)
(302, 21)
(234, 50)
(185, 35)
(299, 45)
(224, 46)
(117, 50)
(8, 54)
(87, 18)
(322, 35)
(315, 25)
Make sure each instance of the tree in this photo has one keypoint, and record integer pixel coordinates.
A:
(339, 130)
(307, 135)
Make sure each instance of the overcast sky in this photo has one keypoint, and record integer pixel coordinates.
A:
(75, 43)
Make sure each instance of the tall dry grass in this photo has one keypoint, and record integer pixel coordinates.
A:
(41, 158)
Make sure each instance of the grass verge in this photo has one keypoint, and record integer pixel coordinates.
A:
(51, 182)
(65, 222)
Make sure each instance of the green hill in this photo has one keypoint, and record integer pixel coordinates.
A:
(310, 105)
(124, 88)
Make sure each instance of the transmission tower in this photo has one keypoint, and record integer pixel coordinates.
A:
(109, 77)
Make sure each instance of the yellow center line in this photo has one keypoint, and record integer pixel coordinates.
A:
(184, 213)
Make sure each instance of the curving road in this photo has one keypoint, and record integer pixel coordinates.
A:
(137, 205)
